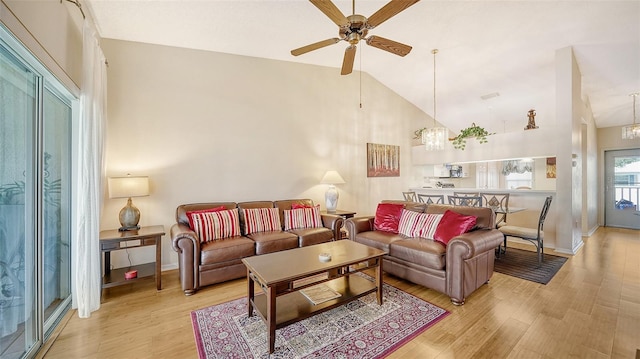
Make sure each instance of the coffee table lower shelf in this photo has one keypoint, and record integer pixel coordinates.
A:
(294, 306)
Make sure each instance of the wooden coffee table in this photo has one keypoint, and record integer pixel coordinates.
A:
(282, 303)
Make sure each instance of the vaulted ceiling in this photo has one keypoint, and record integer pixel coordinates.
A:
(485, 48)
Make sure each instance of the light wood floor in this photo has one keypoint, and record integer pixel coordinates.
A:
(591, 309)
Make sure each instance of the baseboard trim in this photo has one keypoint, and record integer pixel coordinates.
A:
(166, 267)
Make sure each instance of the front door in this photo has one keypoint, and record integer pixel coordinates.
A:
(622, 188)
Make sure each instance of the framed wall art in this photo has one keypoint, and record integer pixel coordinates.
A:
(383, 160)
(551, 167)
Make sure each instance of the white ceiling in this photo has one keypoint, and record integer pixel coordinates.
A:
(505, 47)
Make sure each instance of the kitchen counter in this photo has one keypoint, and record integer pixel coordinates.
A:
(485, 190)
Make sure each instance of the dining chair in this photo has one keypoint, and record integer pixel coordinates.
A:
(409, 196)
(468, 201)
(431, 198)
(499, 202)
(466, 194)
(533, 235)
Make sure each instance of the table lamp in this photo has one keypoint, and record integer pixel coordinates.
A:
(127, 187)
(331, 178)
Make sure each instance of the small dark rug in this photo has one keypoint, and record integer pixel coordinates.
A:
(524, 264)
(360, 329)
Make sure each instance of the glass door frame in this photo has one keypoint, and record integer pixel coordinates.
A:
(44, 81)
(618, 217)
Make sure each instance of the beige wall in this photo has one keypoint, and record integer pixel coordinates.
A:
(52, 30)
(208, 126)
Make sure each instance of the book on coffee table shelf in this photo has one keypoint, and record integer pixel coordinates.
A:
(319, 293)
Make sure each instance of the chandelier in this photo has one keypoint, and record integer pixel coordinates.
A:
(630, 132)
(434, 138)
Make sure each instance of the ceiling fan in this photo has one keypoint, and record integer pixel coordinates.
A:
(354, 28)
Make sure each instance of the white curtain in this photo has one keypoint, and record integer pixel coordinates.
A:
(87, 274)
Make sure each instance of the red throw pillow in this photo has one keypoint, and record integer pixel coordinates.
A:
(453, 224)
(298, 206)
(388, 217)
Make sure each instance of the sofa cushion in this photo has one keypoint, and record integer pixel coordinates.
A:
(227, 250)
(388, 217)
(273, 241)
(414, 224)
(485, 216)
(261, 220)
(213, 225)
(377, 239)
(306, 217)
(453, 224)
(311, 236)
(425, 252)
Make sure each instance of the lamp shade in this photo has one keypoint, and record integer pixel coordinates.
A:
(126, 187)
(332, 177)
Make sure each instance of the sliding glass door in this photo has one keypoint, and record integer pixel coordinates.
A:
(18, 315)
(35, 197)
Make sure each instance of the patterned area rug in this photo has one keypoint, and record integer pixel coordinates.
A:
(359, 329)
(524, 264)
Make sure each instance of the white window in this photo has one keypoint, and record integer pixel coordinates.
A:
(518, 174)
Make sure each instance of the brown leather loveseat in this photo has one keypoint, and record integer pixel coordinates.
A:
(205, 263)
(457, 269)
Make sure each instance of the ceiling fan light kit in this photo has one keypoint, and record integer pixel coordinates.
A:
(631, 132)
(354, 28)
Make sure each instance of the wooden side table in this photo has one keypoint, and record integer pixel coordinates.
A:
(341, 213)
(345, 215)
(113, 240)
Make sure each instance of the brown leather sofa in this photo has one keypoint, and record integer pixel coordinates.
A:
(202, 264)
(457, 270)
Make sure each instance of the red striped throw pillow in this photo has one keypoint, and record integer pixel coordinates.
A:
(261, 220)
(308, 217)
(415, 224)
(213, 225)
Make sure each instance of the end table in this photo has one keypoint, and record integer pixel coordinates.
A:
(345, 215)
(112, 240)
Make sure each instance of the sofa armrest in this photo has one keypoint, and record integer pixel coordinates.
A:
(334, 223)
(470, 244)
(359, 224)
(187, 244)
(470, 262)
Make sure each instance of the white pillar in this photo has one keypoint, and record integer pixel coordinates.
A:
(568, 199)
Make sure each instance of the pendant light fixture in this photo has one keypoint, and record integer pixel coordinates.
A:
(630, 132)
(434, 138)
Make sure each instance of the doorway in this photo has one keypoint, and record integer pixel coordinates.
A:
(622, 188)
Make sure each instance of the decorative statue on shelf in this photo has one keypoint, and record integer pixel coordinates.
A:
(532, 120)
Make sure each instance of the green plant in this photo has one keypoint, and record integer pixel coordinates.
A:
(417, 134)
(459, 142)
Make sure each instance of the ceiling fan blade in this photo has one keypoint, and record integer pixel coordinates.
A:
(314, 46)
(389, 45)
(388, 11)
(330, 9)
(349, 57)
